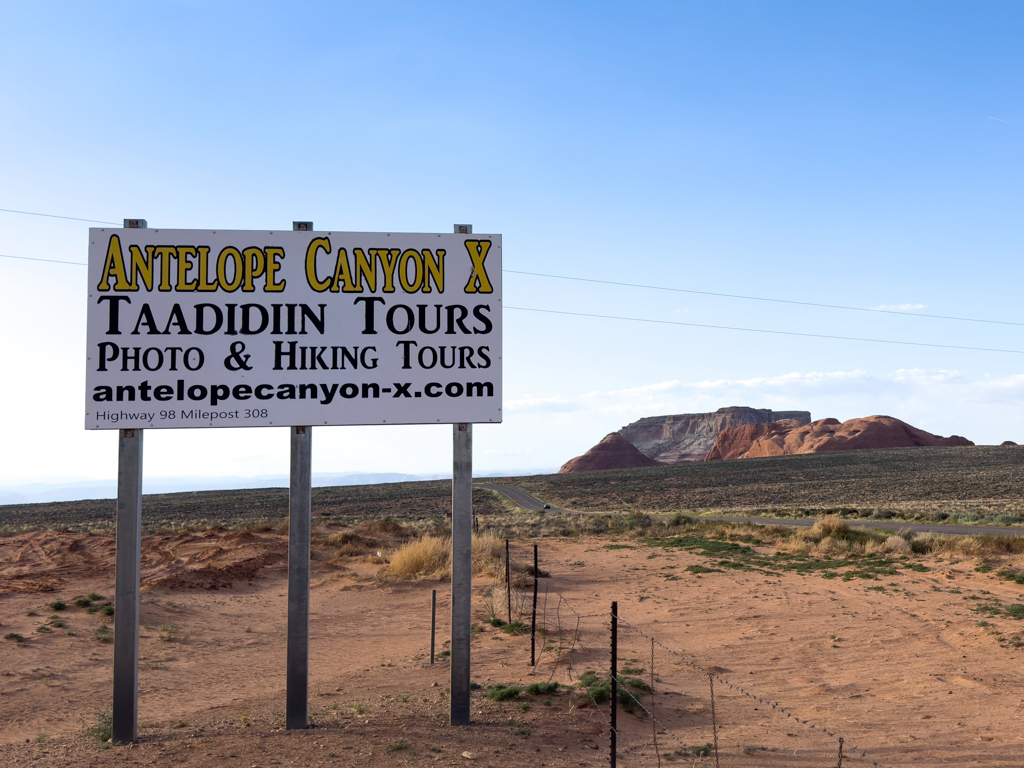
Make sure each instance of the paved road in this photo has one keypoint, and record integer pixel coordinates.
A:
(528, 502)
(522, 499)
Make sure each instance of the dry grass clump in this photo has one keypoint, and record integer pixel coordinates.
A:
(386, 527)
(893, 545)
(430, 558)
(830, 525)
(348, 543)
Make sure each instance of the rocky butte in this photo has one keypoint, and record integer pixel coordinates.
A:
(785, 438)
(689, 436)
(613, 452)
(684, 437)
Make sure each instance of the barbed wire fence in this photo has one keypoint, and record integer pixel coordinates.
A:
(662, 706)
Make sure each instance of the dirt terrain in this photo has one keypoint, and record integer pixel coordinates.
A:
(913, 661)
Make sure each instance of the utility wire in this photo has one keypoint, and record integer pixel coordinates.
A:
(762, 330)
(51, 261)
(697, 325)
(761, 298)
(54, 216)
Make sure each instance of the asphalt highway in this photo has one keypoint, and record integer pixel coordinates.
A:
(526, 501)
(522, 499)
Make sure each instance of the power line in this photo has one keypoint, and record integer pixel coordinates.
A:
(761, 298)
(762, 330)
(55, 216)
(694, 325)
(51, 261)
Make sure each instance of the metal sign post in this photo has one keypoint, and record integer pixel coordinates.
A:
(299, 524)
(127, 565)
(126, 591)
(462, 559)
(462, 569)
(300, 521)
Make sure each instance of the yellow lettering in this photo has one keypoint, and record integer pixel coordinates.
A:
(273, 254)
(315, 245)
(142, 266)
(184, 265)
(478, 281)
(410, 255)
(388, 259)
(434, 268)
(114, 266)
(364, 268)
(165, 253)
(255, 265)
(204, 270)
(237, 273)
(342, 274)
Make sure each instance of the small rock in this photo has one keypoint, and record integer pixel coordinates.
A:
(468, 755)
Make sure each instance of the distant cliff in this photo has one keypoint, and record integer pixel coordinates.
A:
(690, 436)
(784, 438)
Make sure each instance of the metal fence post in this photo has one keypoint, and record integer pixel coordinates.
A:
(615, 681)
(299, 524)
(433, 622)
(462, 569)
(508, 581)
(533, 619)
(127, 563)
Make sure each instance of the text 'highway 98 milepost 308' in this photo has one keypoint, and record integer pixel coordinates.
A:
(197, 328)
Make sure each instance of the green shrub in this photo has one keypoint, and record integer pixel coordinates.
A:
(502, 692)
(536, 689)
(103, 731)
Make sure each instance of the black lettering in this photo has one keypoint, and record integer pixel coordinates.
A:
(478, 387)
(307, 314)
(451, 309)
(145, 318)
(113, 312)
(178, 319)
(410, 319)
(279, 354)
(201, 316)
(368, 327)
(477, 310)
(247, 310)
(405, 345)
(328, 393)
(423, 318)
(115, 351)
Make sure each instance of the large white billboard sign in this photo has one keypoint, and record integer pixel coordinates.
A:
(196, 328)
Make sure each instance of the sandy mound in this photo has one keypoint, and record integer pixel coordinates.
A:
(45, 561)
(613, 452)
(786, 438)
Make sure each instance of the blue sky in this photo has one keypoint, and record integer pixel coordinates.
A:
(865, 154)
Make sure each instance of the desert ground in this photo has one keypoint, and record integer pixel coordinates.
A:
(913, 659)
